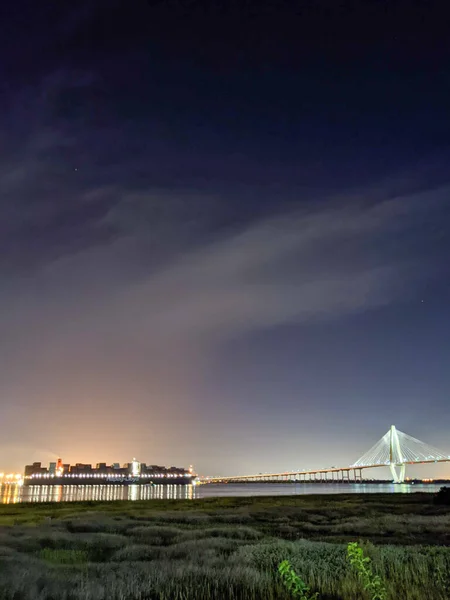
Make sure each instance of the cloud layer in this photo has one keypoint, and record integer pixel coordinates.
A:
(116, 298)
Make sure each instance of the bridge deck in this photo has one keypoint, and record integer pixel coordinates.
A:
(291, 474)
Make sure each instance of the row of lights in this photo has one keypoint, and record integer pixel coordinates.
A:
(106, 475)
(417, 459)
(11, 478)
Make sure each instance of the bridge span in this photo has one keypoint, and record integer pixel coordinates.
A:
(394, 450)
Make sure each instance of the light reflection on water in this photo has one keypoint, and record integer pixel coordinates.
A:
(11, 494)
(101, 493)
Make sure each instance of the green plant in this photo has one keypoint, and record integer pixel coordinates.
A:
(372, 583)
(294, 583)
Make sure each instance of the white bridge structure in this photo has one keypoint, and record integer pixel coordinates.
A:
(394, 450)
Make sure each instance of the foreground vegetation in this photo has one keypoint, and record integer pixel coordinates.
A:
(228, 548)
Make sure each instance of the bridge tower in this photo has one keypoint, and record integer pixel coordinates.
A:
(396, 450)
(396, 459)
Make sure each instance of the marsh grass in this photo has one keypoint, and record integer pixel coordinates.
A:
(225, 548)
(63, 556)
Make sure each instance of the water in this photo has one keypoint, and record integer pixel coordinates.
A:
(11, 494)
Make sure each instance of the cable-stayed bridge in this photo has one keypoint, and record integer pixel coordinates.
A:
(394, 450)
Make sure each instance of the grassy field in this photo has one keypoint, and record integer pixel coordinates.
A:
(224, 548)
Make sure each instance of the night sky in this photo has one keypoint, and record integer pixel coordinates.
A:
(224, 233)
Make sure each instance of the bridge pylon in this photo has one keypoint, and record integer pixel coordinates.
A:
(396, 450)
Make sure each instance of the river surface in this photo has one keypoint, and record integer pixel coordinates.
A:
(11, 494)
